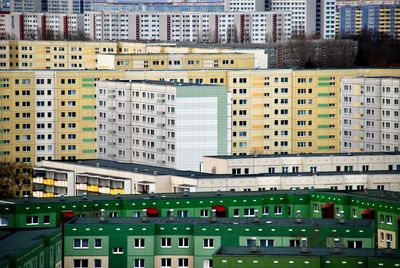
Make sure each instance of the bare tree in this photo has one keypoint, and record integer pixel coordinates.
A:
(14, 177)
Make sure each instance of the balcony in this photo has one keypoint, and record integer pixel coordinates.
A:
(48, 181)
(117, 191)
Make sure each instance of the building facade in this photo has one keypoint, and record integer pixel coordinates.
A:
(273, 111)
(256, 164)
(370, 114)
(97, 177)
(380, 18)
(162, 123)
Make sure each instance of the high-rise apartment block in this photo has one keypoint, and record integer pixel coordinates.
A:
(377, 17)
(56, 6)
(370, 114)
(162, 123)
(273, 111)
(222, 27)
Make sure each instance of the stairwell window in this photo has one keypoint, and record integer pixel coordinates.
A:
(32, 220)
(118, 250)
(208, 243)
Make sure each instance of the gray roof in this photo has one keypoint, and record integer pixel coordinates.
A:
(303, 155)
(16, 242)
(293, 251)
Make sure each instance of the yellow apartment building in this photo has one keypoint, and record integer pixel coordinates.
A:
(66, 55)
(51, 114)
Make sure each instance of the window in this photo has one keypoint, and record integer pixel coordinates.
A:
(278, 210)
(389, 219)
(204, 213)
(139, 243)
(316, 207)
(3, 221)
(208, 263)
(249, 212)
(118, 250)
(32, 220)
(166, 262)
(265, 210)
(266, 243)
(165, 242)
(78, 263)
(236, 212)
(138, 263)
(46, 219)
(182, 213)
(97, 243)
(208, 243)
(97, 263)
(81, 243)
(183, 262)
(354, 244)
(294, 243)
(183, 242)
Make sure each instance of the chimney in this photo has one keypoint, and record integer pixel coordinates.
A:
(336, 249)
(256, 219)
(84, 196)
(298, 216)
(171, 215)
(304, 245)
(102, 215)
(213, 215)
(388, 250)
(341, 220)
(145, 218)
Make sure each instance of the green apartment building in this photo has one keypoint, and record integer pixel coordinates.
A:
(194, 229)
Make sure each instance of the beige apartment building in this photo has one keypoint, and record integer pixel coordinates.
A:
(297, 163)
(96, 177)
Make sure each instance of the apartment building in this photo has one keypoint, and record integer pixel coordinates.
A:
(255, 164)
(273, 111)
(56, 6)
(97, 177)
(162, 123)
(370, 114)
(247, 5)
(381, 18)
(24, 54)
(326, 19)
(304, 14)
(179, 61)
(215, 27)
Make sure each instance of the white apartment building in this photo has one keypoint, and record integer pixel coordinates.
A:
(303, 14)
(370, 114)
(224, 27)
(52, 6)
(327, 15)
(96, 177)
(162, 123)
(244, 5)
(33, 26)
(297, 163)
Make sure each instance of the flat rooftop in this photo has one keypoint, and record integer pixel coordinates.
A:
(303, 155)
(293, 251)
(17, 241)
(160, 83)
(309, 222)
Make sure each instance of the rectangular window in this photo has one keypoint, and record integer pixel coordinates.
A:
(118, 250)
(266, 243)
(265, 210)
(182, 213)
(46, 219)
(183, 242)
(32, 220)
(294, 243)
(97, 243)
(97, 263)
(81, 243)
(139, 243)
(165, 242)
(79, 263)
(138, 263)
(208, 243)
(249, 212)
(278, 210)
(3, 221)
(183, 262)
(166, 262)
(354, 244)
(204, 213)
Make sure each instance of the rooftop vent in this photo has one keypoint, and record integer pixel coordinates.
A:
(62, 197)
(171, 215)
(84, 196)
(26, 198)
(388, 250)
(256, 218)
(97, 164)
(298, 216)
(213, 215)
(219, 192)
(145, 218)
(119, 196)
(342, 220)
(336, 249)
(304, 245)
(102, 215)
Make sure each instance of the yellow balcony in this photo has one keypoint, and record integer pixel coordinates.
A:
(48, 181)
(48, 194)
(117, 191)
(93, 188)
